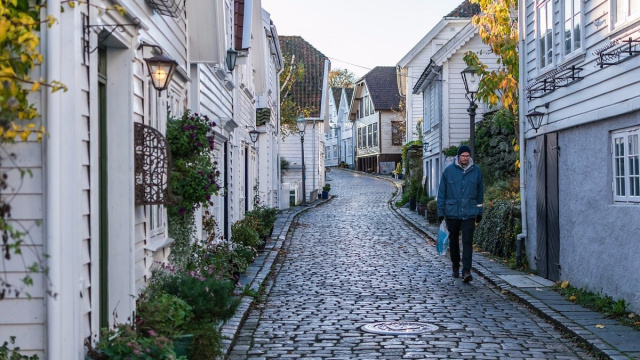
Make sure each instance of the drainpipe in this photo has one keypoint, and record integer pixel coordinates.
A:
(523, 198)
(52, 108)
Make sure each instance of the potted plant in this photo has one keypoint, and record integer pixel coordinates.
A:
(422, 199)
(325, 191)
(432, 211)
(412, 193)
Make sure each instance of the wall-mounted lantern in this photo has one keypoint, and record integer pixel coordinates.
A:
(535, 117)
(232, 56)
(161, 68)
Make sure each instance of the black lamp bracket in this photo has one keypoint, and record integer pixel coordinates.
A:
(545, 105)
(86, 27)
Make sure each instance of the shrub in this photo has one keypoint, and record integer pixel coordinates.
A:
(125, 343)
(243, 232)
(166, 314)
(13, 354)
(496, 233)
(432, 211)
(326, 187)
(209, 294)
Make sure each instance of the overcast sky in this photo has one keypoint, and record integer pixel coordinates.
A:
(359, 34)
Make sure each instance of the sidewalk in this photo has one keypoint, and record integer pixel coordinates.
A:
(613, 341)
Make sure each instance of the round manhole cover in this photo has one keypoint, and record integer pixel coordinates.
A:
(399, 328)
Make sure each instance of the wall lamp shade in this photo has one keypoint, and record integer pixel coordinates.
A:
(302, 124)
(232, 56)
(425, 147)
(161, 69)
(535, 119)
(471, 79)
(254, 135)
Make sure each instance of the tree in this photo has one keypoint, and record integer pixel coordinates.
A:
(289, 110)
(498, 28)
(342, 78)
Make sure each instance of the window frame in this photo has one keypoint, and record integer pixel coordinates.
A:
(580, 17)
(628, 165)
(543, 54)
(374, 128)
(628, 17)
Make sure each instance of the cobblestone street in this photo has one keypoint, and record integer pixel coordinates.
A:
(352, 261)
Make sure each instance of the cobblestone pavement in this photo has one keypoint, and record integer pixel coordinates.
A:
(352, 262)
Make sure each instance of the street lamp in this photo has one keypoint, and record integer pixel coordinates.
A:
(254, 135)
(161, 68)
(302, 124)
(535, 117)
(230, 60)
(471, 85)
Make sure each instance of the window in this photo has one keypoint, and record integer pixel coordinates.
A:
(327, 152)
(335, 151)
(572, 26)
(545, 34)
(375, 134)
(361, 108)
(396, 133)
(626, 165)
(360, 138)
(624, 10)
(370, 135)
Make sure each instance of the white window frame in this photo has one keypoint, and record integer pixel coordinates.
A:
(370, 135)
(627, 17)
(574, 16)
(548, 53)
(374, 127)
(625, 169)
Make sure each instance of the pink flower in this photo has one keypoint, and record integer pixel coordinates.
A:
(152, 333)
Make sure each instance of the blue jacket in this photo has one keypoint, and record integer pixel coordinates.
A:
(460, 194)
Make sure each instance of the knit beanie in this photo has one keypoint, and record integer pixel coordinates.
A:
(464, 149)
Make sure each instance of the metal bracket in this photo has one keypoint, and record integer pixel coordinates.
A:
(86, 27)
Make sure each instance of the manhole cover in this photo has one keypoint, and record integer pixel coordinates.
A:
(399, 328)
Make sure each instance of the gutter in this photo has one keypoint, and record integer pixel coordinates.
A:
(53, 184)
(523, 198)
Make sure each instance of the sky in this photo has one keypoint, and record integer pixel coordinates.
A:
(359, 35)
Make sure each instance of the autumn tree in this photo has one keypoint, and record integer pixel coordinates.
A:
(497, 26)
(290, 111)
(342, 78)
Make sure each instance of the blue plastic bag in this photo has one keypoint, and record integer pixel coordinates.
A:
(443, 239)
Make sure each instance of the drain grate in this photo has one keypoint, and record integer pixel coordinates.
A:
(399, 328)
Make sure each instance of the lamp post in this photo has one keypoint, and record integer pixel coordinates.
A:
(535, 117)
(161, 68)
(471, 85)
(302, 124)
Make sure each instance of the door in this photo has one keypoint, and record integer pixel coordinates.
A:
(547, 216)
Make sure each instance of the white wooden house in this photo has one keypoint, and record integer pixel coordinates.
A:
(376, 118)
(100, 239)
(346, 151)
(580, 173)
(446, 120)
(412, 64)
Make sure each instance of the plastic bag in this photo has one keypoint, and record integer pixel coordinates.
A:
(443, 239)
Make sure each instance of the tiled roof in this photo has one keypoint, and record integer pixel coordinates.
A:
(349, 95)
(464, 10)
(306, 93)
(383, 87)
(336, 92)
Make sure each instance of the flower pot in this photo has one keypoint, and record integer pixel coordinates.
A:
(181, 344)
(412, 203)
(325, 194)
(399, 176)
(421, 209)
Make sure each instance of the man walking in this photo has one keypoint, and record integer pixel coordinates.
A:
(460, 197)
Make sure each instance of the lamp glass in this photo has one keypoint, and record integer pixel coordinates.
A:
(301, 123)
(471, 79)
(161, 69)
(535, 119)
(232, 56)
(254, 135)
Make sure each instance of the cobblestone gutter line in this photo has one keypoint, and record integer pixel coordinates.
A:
(259, 271)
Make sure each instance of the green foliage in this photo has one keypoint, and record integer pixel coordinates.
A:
(124, 343)
(496, 233)
(453, 149)
(285, 165)
(326, 187)
(165, 314)
(412, 188)
(494, 142)
(261, 219)
(432, 211)
(194, 174)
(182, 230)
(243, 233)
(403, 200)
(616, 309)
(405, 150)
(342, 78)
(207, 342)
(13, 353)
(210, 295)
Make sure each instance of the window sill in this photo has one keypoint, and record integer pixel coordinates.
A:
(573, 59)
(624, 29)
(156, 244)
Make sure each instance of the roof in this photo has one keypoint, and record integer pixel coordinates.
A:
(349, 95)
(336, 92)
(307, 93)
(464, 10)
(383, 88)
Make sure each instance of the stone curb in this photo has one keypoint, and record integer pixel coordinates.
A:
(259, 271)
(566, 325)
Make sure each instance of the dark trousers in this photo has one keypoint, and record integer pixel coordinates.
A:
(467, 227)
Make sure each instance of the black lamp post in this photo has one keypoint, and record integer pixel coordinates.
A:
(302, 124)
(471, 85)
(254, 135)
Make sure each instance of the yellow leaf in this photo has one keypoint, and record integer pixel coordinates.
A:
(72, 4)
(35, 87)
(516, 148)
(564, 284)
(572, 298)
(600, 326)
(24, 135)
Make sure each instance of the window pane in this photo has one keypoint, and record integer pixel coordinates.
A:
(542, 26)
(634, 7)
(567, 37)
(567, 10)
(576, 34)
(549, 33)
(620, 5)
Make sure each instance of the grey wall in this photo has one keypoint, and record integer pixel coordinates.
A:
(599, 240)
